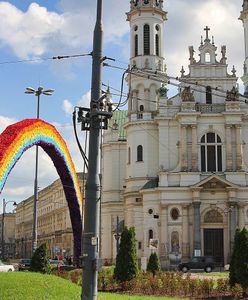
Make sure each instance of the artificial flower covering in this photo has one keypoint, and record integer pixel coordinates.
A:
(19, 137)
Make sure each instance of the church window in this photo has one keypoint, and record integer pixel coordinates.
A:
(157, 27)
(207, 57)
(211, 153)
(139, 245)
(146, 39)
(150, 211)
(139, 153)
(150, 234)
(208, 95)
(129, 155)
(146, 1)
(174, 214)
(141, 107)
(157, 44)
(136, 45)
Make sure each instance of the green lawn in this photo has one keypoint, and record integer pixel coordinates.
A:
(34, 286)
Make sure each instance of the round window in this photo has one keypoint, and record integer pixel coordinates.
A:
(174, 213)
(135, 28)
(157, 27)
(150, 211)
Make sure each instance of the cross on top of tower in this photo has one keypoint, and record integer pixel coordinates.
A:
(207, 30)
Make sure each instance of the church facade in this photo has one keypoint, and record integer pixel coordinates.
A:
(176, 168)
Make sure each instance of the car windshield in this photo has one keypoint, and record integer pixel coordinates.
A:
(24, 261)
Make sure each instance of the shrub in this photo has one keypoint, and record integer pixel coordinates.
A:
(126, 260)
(222, 286)
(153, 265)
(239, 260)
(237, 291)
(40, 260)
(207, 287)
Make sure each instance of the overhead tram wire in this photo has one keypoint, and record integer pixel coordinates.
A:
(167, 79)
(59, 57)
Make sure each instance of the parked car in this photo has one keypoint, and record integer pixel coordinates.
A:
(206, 263)
(24, 264)
(6, 268)
(56, 262)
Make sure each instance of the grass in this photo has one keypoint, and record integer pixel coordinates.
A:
(30, 286)
(214, 274)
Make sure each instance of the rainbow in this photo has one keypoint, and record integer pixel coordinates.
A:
(19, 137)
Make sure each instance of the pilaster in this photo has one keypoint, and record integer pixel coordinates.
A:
(229, 165)
(185, 235)
(183, 147)
(238, 148)
(194, 149)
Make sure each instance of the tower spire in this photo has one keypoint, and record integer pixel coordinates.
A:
(244, 18)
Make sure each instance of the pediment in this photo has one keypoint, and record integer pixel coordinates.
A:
(214, 182)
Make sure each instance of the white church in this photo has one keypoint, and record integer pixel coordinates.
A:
(176, 168)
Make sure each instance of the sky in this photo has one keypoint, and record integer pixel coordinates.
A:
(32, 32)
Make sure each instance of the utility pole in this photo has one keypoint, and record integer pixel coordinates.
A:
(94, 120)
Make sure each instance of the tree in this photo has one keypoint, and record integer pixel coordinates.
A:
(153, 265)
(126, 260)
(239, 260)
(40, 259)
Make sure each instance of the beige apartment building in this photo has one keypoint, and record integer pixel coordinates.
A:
(54, 224)
(8, 240)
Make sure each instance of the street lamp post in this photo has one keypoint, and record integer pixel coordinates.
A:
(3, 215)
(38, 92)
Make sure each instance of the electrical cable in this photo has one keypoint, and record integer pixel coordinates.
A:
(85, 158)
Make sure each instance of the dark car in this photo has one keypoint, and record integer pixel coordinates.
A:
(206, 263)
(24, 264)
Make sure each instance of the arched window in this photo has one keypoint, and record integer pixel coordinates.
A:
(139, 153)
(208, 95)
(150, 234)
(207, 57)
(141, 107)
(146, 39)
(129, 155)
(211, 153)
(157, 44)
(136, 45)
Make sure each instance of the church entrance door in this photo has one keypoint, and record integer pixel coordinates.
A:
(214, 244)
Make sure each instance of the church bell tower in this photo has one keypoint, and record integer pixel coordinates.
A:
(146, 18)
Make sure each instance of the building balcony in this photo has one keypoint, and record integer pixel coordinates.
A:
(210, 108)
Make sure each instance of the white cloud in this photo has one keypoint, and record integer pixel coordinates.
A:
(5, 121)
(85, 100)
(67, 107)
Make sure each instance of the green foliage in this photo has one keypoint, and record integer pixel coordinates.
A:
(126, 261)
(153, 265)
(239, 259)
(40, 260)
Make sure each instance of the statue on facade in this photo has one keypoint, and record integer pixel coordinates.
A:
(245, 5)
(232, 95)
(223, 52)
(163, 91)
(187, 95)
(191, 54)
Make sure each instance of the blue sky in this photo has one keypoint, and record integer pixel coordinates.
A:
(43, 29)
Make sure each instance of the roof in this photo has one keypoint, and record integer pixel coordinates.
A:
(153, 183)
(119, 118)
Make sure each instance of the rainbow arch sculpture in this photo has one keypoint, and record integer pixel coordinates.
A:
(21, 136)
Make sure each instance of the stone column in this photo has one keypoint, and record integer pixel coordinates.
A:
(194, 149)
(147, 102)
(183, 147)
(197, 226)
(241, 215)
(164, 243)
(229, 164)
(134, 101)
(233, 222)
(238, 148)
(185, 232)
